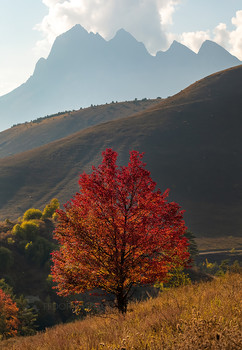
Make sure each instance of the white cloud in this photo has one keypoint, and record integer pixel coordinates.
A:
(221, 35)
(146, 20)
(149, 21)
(194, 40)
(230, 40)
(166, 11)
(236, 35)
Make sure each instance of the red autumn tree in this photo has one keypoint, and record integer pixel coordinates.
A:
(117, 232)
(8, 316)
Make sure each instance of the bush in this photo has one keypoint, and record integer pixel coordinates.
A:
(192, 248)
(6, 258)
(51, 208)
(8, 316)
(176, 278)
(32, 214)
(39, 251)
(17, 230)
(26, 316)
(208, 267)
(28, 230)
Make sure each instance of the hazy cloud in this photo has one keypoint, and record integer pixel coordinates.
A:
(146, 20)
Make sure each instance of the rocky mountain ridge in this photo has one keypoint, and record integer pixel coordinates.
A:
(83, 69)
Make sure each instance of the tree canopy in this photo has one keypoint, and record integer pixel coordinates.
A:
(117, 232)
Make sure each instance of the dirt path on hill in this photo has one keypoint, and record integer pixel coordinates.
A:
(207, 252)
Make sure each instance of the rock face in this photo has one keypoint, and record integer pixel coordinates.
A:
(83, 69)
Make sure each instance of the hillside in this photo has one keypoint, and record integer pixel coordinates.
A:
(41, 131)
(83, 69)
(200, 316)
(192, 144)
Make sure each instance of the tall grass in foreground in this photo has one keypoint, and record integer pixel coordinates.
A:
(202, 316)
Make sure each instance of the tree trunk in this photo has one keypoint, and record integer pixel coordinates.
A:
(122, 302)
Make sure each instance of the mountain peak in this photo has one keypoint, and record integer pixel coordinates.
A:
(75, 40)
(211, 48)
(125, 42)
(75, 32)
(176, 44)
(178, 47)
(78, 29)
(209, 45)
(123, 35)
(176, 50)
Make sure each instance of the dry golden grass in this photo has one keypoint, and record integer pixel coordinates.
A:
(201, 316)
(223, 243)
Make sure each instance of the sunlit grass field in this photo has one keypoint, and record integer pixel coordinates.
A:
(201, 316)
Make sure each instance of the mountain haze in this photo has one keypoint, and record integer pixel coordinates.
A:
(83, 69)
(192, 143)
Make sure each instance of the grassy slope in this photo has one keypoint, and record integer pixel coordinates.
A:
(27, 136)
(223, 243)
(201, 316)
(192, 144)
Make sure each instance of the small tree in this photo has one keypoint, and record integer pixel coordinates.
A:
(51, 208)
(24, 318)
(6, 259)
(8, 316)
(193, 249)
(39, 250)
(32, 214)
(117, 232)
(28, 230)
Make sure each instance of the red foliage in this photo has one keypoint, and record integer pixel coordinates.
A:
(117, 232)
(8, 316)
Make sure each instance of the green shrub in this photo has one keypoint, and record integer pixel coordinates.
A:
(28, 230)
(192, 248)
(235, 267)
(39, 251)
(26, 316)
(177, 277)
(6, 258)
(10, 240)
(32, 214)
(17, 230)
(51, 208)
(208, 267)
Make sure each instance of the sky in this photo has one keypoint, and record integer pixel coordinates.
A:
(28, 28)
